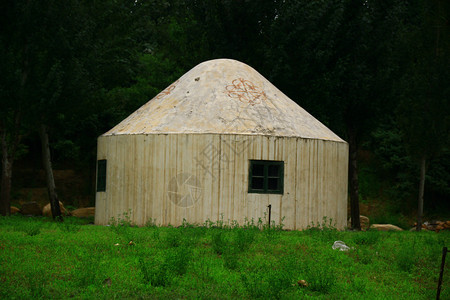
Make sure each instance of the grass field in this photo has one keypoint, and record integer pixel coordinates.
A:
(43, 259)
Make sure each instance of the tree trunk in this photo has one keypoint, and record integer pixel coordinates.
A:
(353, 181)
(423, 167)
(5, 195)
(46, 161)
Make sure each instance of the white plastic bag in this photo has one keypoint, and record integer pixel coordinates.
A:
(341, 246)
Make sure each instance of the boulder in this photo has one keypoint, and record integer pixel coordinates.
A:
(14, 210)
(47, 210)
(31, 208)
(84, 212)
(385, 227)
(363, 220)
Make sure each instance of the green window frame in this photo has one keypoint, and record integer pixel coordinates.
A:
(266, 177)
(101, 175)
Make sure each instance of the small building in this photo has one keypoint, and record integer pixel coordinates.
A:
(222, 143)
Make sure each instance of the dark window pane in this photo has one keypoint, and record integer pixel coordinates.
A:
(274, 170)
(258, 170)
(257, 183)
(272, 184)
(101, 175)
(266, 177)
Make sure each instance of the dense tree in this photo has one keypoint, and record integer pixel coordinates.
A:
(424, 110)
(65, 53)
(71, 70)
(333, 59)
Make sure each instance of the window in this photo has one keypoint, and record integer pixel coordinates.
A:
(101, 175)
(266, 177)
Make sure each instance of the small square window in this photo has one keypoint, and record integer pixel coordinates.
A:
(101, 175)
(266, 177)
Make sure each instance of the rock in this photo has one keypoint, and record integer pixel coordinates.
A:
(14, 210)
(363, 220)
(414, 229)
(47, 210)
(302, 283)
(385, 227)
(31, 208)
(84, 212)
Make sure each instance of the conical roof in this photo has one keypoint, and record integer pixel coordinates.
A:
(223, 96)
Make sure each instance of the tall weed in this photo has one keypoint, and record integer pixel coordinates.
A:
(219, 243)
(160, 271)
(320, 277)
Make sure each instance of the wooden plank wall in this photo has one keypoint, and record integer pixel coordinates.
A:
(148, 175)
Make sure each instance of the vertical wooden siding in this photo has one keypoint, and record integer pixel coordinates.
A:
(140, 169)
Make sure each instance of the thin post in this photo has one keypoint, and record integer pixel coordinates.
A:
(444, 254)
(270, 212)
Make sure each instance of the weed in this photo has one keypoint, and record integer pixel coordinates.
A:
(218, 242)
(243, 238)
(151, 223)
(121, 225)
(69, 226)
(31, 227)
(173, 238)
(87, 267)
(370, 237)
(320, 276)
(406, 258)
(154, 273)
(160, 272)
(168, 262)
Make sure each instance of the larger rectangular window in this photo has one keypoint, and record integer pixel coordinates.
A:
(266, 177)
(101, 175)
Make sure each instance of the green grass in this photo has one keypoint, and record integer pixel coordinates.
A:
(44, 259)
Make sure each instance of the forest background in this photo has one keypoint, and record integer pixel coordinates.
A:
(375, 72)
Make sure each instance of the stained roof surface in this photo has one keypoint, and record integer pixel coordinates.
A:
(223, 96)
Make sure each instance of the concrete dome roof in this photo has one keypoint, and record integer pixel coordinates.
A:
(223, 96)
